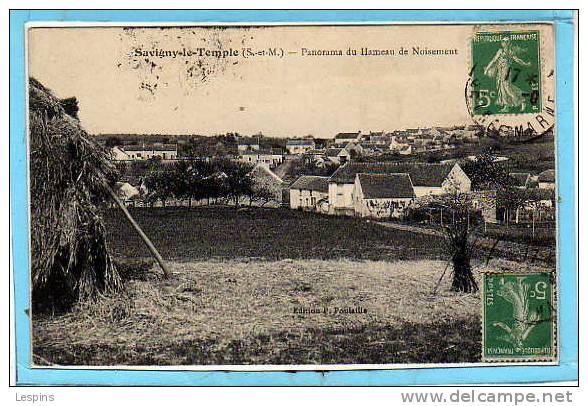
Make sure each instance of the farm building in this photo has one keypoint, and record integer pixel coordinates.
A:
(310, 193)
(427, 179)
(144, 152)
(300, 146)
(382, 195)
(546, 179)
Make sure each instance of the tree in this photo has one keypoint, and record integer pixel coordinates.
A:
(264, 188)
(486, 172)
(160, 184)
(512, 199)
(232, 179)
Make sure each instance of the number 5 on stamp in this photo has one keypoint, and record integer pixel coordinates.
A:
(519, 314)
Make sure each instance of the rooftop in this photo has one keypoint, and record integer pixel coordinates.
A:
(333, 152)
(421, 174)
(263, 151)
(316, 183)
(346, 135)
(150, 147)
(386, 186)
(300, 142)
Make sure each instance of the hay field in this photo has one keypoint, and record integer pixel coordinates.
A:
(244, 312)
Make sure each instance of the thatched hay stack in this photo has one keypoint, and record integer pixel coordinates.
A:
(68, 171)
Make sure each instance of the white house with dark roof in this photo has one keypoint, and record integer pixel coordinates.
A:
(427, 179)
(270, 157)
(337, 155)
(343, 139)
(546, 179)
(145, 151)
(248, 144)
(382, 195)
(310, 193)
(300, 146)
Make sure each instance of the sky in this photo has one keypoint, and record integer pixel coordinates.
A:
(121, 89)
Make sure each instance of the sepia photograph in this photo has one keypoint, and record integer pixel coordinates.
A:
(292, 196)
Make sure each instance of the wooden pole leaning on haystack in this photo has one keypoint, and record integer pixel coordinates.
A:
(146, 240)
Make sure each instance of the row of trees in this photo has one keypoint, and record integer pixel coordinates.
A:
(196, 180)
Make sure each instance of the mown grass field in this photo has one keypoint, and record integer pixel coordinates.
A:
(238, 278)
(231, 312)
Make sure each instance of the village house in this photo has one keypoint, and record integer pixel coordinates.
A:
(405, 150)
(248, 144)
(427, 179)
(300, 146)
(337, 155)
(310, 193)
(119, 154)
(382, 195)
(546, 179)
(400, 147)
(343, 139)
(271, 157)
(354, 148)
(316, 156)
(377, 140)
(144, 152)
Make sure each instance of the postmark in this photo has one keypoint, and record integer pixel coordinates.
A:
(510, 90)
(519, 317)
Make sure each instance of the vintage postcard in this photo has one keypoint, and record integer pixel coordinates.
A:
(252, 197)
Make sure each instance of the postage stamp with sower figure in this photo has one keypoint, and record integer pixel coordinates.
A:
(519, 317)
(506, 72)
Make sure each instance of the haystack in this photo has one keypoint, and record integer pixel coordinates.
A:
(68, 178)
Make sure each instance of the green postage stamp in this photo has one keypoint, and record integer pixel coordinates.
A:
(506, 72)
(519, 317)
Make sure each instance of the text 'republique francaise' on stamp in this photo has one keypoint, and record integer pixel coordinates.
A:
(510, 90)
(519, 317)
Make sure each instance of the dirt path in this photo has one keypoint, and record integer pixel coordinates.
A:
(489, 247)
(412, 229)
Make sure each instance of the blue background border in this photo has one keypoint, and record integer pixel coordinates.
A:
(566, 371)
